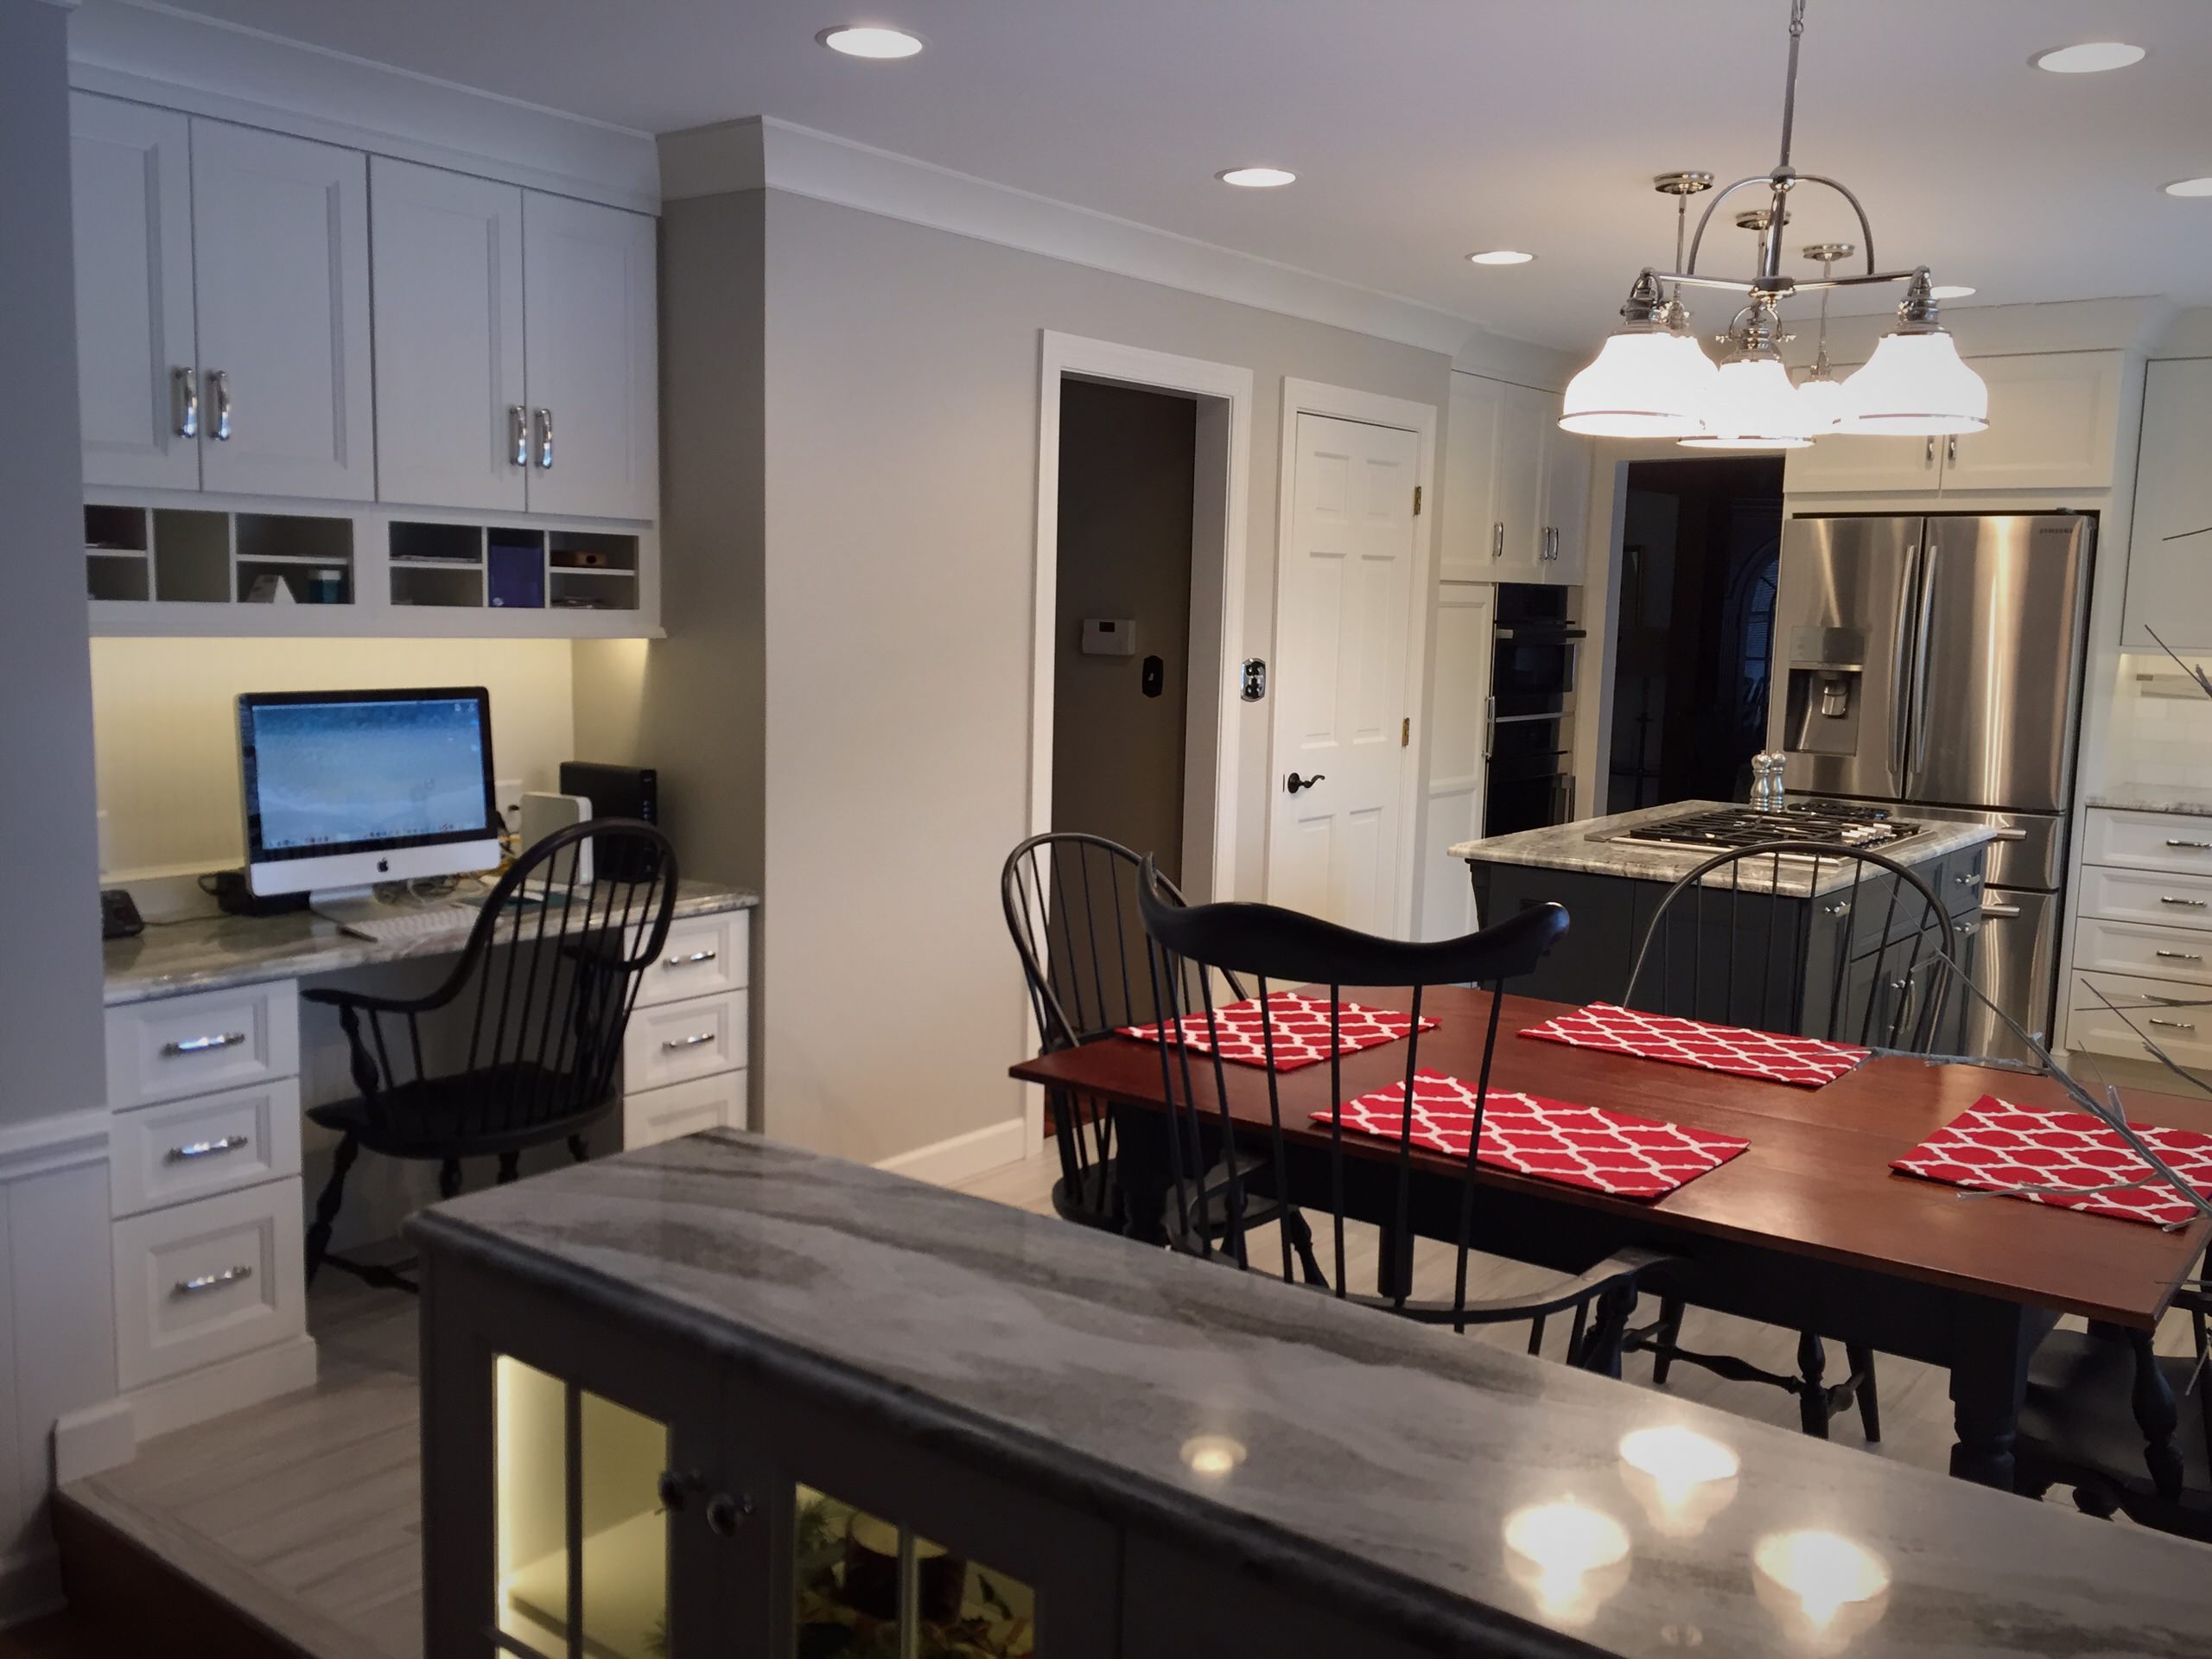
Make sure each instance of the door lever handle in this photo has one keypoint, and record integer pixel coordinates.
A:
(1294, 782)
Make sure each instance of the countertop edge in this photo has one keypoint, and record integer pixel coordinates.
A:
(2175, 800)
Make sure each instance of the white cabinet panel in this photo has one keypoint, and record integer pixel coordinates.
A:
(1889, 466)
(677, 1041)
(2139, 1008)
(2170, 544)
(1470, 441)
(2168, 900)
(2143, 949)
(703, 955)
(2053, 421)
(207, 1280)
(1567, 497)
(174, 1046)
(1517, 492)
(2148, 840)
(590, 303)
(448, 297)
(185, 1149)
(130, 181)
(281, 263)
(659, 1114)
(1458, 730)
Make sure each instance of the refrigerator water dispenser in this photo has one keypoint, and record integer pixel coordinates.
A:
(1827, 670)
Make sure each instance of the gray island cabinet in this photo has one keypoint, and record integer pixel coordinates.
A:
(1852, 957)
(724, 1397)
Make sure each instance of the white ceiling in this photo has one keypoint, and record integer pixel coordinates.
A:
(1423, 130)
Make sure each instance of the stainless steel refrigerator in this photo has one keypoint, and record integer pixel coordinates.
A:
(1934, 664)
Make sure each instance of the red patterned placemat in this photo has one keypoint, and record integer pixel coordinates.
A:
(1994, 1144)
(1807, 1062)
(1579, 1145)
(1300, 1025)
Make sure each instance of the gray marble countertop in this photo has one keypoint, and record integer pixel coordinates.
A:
(171, 958)
(1584, 846)
(2195, 802)
(1376, 1466)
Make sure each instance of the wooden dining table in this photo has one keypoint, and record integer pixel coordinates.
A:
(1808, 1229)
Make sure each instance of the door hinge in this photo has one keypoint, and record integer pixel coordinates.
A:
(1406, 731)
(1416, 500)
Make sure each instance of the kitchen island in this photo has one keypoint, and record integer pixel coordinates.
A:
(722, 1394)
(1825, 956)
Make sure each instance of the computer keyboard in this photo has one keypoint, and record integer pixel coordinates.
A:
(411, 924)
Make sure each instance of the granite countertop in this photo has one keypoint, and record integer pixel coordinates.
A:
(1375, 1464)
(2195, 802)
(211, 953)
(1583, 845)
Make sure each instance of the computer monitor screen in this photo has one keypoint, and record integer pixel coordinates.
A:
(350, 787)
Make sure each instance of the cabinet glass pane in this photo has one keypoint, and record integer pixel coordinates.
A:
(847, 1568)
(533, 1548)
(625, 1533)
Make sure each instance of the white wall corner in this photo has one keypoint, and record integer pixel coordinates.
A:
(94, 1441)
(712, 161)
(30, 1584)
(963, 1156)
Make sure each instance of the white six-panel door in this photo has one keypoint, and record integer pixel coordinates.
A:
(130, 179)
(1343, 636)
(280, 269)
(589, 297)
(446, 293)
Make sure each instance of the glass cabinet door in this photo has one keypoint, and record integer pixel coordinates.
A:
(865, 1587)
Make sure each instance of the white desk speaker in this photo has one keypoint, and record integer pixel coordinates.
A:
(546, 815)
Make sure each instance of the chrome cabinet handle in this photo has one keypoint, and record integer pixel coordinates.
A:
(185, 385)
(213, 1280)
(1498, 540)
(1929, 458)
(219, 383)
(1970, 878)
(1489, 725)
(1951, 450)
(2180, 956)
(689, 1042)
(518, 435)
(2167, 1024)
(201, 1045)
(695, 958)
(205, 1148)
(1967, 929)
(2185, 904)
(1841, 907)
(2191, 846)
(545, 438)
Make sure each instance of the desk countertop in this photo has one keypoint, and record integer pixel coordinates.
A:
(174, 957)
(1382, 1463)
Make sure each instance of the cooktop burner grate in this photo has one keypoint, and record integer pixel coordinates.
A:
(1744, 826)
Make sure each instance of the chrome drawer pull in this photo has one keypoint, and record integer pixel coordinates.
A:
(201, 1045)
(2186, 904)
(213, 1280)
(696, 956)
(690, 1042)
(206, 1148)
(2168, 1025)
(2181, 956)
(2192, 845)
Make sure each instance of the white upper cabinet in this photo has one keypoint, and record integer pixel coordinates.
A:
(1517, 493)
(1567, 497)
(1470, 467)
(1515, 487)
(593, 380)
(131, 170)
(280, 269)
(2053, 421)
(2170, 541)
(451, 403)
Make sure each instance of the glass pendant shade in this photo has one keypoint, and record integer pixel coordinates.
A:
(1915, 385)
(1645, 382)
(1754, 407)
(1824, 402)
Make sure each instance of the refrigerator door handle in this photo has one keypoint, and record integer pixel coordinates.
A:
(1924, 602)
(1901, 687)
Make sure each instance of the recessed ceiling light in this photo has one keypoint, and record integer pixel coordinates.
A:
(1949, 291)
(870, 40)
(2088, 58)
(1257, 178)
(2189, 187)
(1500, 257)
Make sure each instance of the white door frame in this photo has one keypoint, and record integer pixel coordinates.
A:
(1346, 404)
(1222, 545)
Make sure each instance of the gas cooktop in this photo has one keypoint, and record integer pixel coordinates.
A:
(1848, 823)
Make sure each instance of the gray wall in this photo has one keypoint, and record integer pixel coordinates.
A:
(901, 455)
(1127, 469)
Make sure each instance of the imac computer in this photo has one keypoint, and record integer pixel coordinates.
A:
(347, 789)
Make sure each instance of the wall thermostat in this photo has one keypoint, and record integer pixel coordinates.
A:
(1109, 636)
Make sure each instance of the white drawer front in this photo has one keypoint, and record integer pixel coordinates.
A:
(681, 1040)
(195, 1044)
(2138, 947)
(2143, 896)
(2185, 1033)
(703, 956)
(683, 1108)
(207, 1280)
(2148, 840)
(195, 1148)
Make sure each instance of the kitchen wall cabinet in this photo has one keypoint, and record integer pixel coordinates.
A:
(131, 173)
(1459, 731)
(2053, 423)
(280, 236)
(1516, 488)
(2169, 547)
(448, 297)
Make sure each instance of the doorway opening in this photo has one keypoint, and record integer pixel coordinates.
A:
(1701, 546)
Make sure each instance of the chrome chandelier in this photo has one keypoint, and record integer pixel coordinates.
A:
(1652, 379)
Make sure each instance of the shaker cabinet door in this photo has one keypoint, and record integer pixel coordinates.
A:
(130, 181)
(2170, 543)
(281, 267)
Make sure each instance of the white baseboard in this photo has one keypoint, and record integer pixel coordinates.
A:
(94, 1441)
(30, 1583)
(992, 1147)
(180, 1402)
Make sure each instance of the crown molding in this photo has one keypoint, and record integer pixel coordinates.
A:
(763, 152)
(2132, 323)
(153, 54)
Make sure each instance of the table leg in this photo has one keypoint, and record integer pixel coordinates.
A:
(1394, 1260)
(1989, 1378)
(1141, 1166)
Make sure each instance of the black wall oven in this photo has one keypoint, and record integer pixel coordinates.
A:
(1528, 749)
